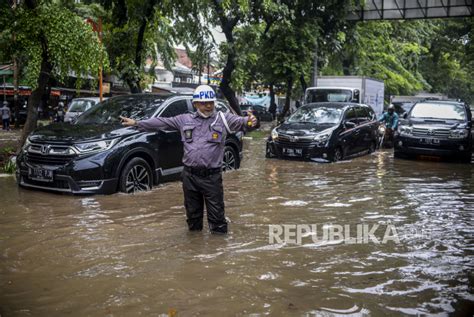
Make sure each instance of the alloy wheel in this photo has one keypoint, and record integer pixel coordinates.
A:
(138, 179)
(230, 161)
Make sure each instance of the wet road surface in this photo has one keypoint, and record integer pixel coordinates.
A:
(123, 255)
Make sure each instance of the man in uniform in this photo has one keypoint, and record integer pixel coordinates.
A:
(203, 134)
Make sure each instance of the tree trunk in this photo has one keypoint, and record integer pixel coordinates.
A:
(227, 26)
(289, 87)
(135, 84)
(228, 92)
(303, 83)
(273, 106)
(35, 97)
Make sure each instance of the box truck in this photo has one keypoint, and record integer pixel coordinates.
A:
(357, 89)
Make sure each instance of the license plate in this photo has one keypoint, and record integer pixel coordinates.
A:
(430, 141)
(40, 174)
(293, 152)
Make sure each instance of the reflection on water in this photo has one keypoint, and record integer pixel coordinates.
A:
(123, 255)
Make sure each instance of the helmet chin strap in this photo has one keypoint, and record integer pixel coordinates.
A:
(202, 115)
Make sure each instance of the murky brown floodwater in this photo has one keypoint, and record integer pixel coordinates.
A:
(125, 255)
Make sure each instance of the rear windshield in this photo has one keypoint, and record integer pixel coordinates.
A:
(80, 105)
(438, 111)
(329, 95)
(108, 112)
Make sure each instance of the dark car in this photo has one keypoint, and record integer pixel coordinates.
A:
(329, 131)
(260, 112)
(99, 155)
(402, 107)
(436, 128)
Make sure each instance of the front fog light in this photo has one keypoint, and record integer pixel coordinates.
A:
(400, 143)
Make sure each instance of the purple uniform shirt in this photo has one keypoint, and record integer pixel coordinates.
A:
(203, 138)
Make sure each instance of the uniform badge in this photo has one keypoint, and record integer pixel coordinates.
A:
(188, 134)
(215, 136)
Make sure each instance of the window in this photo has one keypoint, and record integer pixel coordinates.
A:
(351, 115)
(363, 114)
(220, 106)
(175, 108)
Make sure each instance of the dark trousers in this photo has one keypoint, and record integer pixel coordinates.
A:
(6, 124)
(199, 189)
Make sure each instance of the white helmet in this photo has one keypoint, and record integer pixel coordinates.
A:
(204, 93)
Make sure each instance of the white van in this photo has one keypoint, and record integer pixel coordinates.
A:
(78, 106)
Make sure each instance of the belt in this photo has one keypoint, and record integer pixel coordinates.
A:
(202, 171)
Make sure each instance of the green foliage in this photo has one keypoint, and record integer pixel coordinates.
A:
(9, 167)
(71, 43)
(409, 56)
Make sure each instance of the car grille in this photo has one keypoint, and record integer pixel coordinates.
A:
(48, 159)
(436, 133)
(294, 141)
(50, 154)
(61, 184)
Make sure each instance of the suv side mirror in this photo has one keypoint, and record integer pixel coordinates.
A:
(405, 115)
(349, 124)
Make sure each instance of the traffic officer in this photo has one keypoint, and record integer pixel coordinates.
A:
(203, 134)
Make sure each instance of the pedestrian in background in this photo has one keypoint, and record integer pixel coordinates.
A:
(60, 112)
(5, 111)
(203, 134)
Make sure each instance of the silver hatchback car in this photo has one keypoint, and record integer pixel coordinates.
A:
(78, 106)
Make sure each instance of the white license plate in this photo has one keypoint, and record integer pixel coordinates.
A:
(40, 174)
(293, 152)
(430, 141)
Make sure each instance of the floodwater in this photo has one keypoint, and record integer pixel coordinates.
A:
(123, 255)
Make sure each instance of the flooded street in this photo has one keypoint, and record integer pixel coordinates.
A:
(122, 255)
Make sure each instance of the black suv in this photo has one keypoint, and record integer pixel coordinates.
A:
(98, 155)
(436, 128)
(328, 131)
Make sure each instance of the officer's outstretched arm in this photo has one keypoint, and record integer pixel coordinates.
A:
(154, 124)
(237, 123)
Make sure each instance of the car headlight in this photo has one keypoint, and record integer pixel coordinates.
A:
(26, 145)
(405, 131)
(96, 146)
(322, 138)
(274, 134)
(459, 134)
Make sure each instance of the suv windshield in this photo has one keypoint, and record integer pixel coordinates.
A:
(80, 105)
(438, 111)
(319, 115)
(135, 107)
(329, 95)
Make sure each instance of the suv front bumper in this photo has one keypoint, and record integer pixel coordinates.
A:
(443, 148)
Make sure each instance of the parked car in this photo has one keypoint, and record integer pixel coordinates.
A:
(97, 154)
(260, 112)
(79, 106)
(436, 128)
(329, 131)
(402, 107)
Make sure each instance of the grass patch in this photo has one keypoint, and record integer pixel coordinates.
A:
(258, 134)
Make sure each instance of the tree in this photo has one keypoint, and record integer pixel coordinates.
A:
(134, 28)
(448, 66)
(54, 42)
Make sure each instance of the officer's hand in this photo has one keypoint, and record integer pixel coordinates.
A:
(252, 120)
(128, 122)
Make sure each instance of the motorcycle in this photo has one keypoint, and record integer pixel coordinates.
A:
(385, 137)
